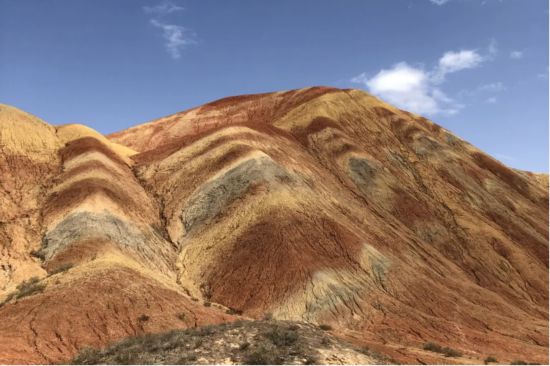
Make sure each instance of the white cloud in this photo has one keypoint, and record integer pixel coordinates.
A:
(516, 55)
(491, 100)
(417, 90)
(164, 8)
(455, 61)
(439, 2)
(176, 37)
(409, 88)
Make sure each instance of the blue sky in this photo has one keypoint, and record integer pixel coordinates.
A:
(477, 67)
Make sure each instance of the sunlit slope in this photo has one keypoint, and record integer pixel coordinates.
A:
(330, 205)
(320, 205)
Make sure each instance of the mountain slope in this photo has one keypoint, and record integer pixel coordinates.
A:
(320, 205)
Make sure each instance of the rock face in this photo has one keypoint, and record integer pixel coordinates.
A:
(319, 205)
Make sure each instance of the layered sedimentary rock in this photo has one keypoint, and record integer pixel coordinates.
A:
(320, 205)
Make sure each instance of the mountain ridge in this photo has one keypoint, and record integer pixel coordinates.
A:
(318, 204)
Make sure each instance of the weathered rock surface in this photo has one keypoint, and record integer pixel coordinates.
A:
(319, 205)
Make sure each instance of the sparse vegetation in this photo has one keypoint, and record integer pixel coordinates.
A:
(26, 288)
(61, 269)
(207, 303)
(518, 362)
(325, 327)
(259, 342)
(447, 351)
(261, 356)
(181, 316)
(490, 359)
(282, 337)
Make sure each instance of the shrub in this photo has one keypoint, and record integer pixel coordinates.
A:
(187, 360)
(490, 359)
(244, 346)
(87, 356)
(29, 287)
(143, 318)
(268, 316)
(232, 311)
(325, 327)
(61, 269)
(434, 347)
(261, 356)
(181, 316)
(207, 303)
(282, 337)
(519, 362)
(449, 352)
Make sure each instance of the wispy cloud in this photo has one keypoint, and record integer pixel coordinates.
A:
(492, 87)
(164, 8)
(491, 100)
(418, 90)
(439, 2)
(176, 36)
(516, 55)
